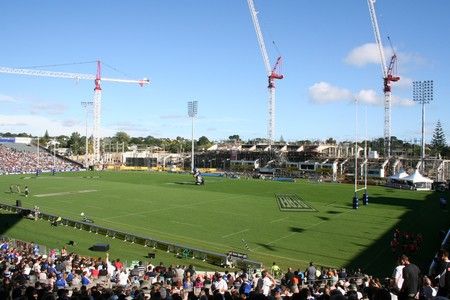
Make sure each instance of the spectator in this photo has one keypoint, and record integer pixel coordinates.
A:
(410, 286)
(311, 273)
(443, 274)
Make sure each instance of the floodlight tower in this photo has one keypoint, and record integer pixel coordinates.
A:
(192, 113)
(423, 94)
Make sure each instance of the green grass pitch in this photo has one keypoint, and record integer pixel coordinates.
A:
(221, 214)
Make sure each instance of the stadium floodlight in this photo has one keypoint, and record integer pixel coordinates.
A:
(192, 113)
(86, 105)
(423, 94)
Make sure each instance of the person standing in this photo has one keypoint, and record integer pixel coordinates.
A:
(398, 277)
(410, 273)
(26, 191)
(268, 282)
(444, 274)
(311, 273)
(275, 270)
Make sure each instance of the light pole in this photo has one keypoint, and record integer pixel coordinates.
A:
(192, 113)
(423, 94)
(38, 158)
(86, 105)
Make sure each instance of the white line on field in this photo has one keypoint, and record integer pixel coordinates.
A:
(234, 233)
(278, 220)
(65, 193)
(187, 224)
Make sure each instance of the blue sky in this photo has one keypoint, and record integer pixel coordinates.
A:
(206, 50)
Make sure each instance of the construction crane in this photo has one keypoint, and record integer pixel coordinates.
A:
(271, 72)
(97, 78)
(388, 77)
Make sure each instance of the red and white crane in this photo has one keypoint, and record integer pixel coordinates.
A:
(271, 71)
(97, 93)
(388, 77)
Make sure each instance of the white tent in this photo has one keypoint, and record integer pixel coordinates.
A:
(419, 182)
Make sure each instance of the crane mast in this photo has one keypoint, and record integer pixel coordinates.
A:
(271, 72)
(388, 77)
(97, 93)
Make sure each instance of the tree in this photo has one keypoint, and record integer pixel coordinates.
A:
(152, 141)
(45, 139)
(234, 137)
(62, 140)
(203, 142)
(331, 141)
(122, 137)
(438, 142)
(75, 142)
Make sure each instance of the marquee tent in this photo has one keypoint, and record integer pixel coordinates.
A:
(418, 181)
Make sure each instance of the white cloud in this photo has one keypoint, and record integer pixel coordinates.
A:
(35, 125)
(363, 55)
(323, 92)
(369, 97)
(47, 107)
(397, 101)
(6, 98)
(70, 123)
(368, 54)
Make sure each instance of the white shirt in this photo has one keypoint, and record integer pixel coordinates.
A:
(267, 284)
(221, 285)
(123, 278)
(26, 270)
(398, 276)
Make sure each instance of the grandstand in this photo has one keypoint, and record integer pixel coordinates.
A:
(21, 157)
(299, 160)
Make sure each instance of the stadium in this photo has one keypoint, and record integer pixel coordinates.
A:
(132, 208)
(244, 217)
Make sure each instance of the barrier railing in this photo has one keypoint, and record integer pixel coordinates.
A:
(180, 250)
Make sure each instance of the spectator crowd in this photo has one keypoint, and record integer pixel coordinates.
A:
(15, 161)
(25, 273)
